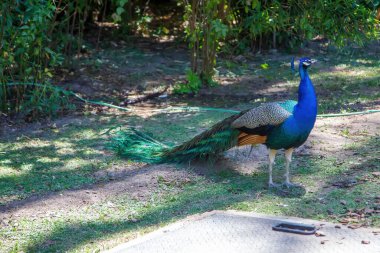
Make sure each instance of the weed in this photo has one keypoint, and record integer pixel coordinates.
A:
(192, 85)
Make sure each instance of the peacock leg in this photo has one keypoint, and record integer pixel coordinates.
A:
(288, 158)
(272, 156)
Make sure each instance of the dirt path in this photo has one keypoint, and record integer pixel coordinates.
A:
(137, 182)
(331, 137)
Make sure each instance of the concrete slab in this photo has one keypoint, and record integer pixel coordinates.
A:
(242, 232)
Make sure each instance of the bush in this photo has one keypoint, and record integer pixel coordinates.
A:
(192, 85)
(26, 55)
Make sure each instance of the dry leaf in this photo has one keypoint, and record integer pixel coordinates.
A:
(320, 233)
(354, 226)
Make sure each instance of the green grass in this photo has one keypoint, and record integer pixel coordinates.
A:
(65, 159)
(51, 161)
(68, 157)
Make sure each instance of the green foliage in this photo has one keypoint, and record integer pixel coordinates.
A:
(265, 24)
(264, 66)
(39, 36)
(205, 30)
(25, 51)
(119, 10)
(45, 102)
(34, 37)
(233, 27)
(192, 85)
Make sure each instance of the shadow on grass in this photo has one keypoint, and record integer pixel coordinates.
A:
(48, 161)
(224, 189)
(51, 161)
(191, 201)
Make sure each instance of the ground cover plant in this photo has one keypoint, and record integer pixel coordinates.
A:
(60, 180)
(62, 189)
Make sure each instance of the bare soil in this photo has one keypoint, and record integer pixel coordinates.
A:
(138, 181)
(331, 136)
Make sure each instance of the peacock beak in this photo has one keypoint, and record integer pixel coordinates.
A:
(309, 62)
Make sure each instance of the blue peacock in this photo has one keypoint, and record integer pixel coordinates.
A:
(278, 125)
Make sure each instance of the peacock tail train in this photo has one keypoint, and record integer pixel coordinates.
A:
(137, 146)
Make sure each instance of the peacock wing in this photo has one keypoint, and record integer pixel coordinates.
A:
(255, 124)
(269, 114)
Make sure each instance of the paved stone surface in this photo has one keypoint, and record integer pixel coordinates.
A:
(246, 232)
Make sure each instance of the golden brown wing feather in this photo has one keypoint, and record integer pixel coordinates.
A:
(249, 139)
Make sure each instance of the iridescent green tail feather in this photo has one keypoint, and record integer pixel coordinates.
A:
(137, 146)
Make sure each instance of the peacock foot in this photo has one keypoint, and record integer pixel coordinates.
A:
(273, 185)
(289, 184)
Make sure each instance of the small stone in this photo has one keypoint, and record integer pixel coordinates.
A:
(323, 241)
(320, 233)
(354, 226)
(366, 242)
(343, 202)
(376, 174)
(337, 226)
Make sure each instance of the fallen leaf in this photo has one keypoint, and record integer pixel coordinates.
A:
(320, 233)
(353, 214)
(354, 226)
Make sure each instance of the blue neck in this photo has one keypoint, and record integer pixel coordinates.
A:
(306, 108)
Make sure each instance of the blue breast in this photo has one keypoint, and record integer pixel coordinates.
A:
(294, 131)
(289, 134)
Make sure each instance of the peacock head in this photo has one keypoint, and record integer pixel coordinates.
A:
(305, 62)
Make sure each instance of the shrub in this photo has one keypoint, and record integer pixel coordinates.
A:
(25, 54)
(192, 85)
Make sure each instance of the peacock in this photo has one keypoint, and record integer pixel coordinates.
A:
(278, 125)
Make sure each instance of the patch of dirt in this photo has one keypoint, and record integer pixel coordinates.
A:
(124, 71)
(138, 183)
(10, 129)
(336, 135)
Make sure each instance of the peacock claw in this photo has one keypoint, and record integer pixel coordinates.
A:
(273, 185)
(289, 184)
